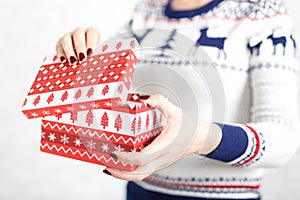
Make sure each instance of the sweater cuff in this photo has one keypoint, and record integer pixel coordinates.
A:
(233, 144)
(240, 146)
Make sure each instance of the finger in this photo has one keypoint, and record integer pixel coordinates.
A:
(79, 39)
(92, 39)
(160, 146)
(162, 143)
(160, 162)
(135, 158)
(126, 175)
(144, 171)
(163, 104)
(60, 53)
(68, 49)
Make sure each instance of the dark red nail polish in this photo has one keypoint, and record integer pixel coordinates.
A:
(81, 56)
(106, 172)
(89, 51)
(144, 97)
(72, 59)
(62, 58)
(113, 156)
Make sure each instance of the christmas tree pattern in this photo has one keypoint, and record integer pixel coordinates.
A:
(50, 98)
(25, 101)
(36, 100)
(118, 123)
(64, 96)
(104, 120)
(105, 90)
(78, 94)
(147, 121)
(74, 115)
(89, 118)
(120, 89)
(154, 118)
(90, 92)
(133, 124)
(58, 116)
(139, 124)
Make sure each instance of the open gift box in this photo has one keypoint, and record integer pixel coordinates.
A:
(86, 109)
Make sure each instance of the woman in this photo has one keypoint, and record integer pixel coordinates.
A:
(253, 49)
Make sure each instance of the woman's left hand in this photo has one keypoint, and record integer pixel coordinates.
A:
(180, 137)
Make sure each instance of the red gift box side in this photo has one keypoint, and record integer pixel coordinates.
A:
(91, 145)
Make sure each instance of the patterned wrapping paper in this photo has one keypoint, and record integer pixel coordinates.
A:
(92, 135)
(59, 86)
(86, 109)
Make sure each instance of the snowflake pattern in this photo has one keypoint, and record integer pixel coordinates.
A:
(119, 148)
(107, 104)
(95, 105)
(82, 107)
(34, 114)
(91, 144)
(64, 139)
(43, 135)
(105, 147)
(69, 108)
(119, 103)
(52, 137)
(58, 111)
(77, 142)
(45, 112)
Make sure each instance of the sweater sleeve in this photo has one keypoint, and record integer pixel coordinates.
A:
(271, 137)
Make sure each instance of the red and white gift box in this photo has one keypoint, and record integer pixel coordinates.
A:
(59, 86)
(87, 112)
(93, 134)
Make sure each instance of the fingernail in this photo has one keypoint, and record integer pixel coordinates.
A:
(81, 56)
(62, 58)
(106, 172)
(113, 156)
(72, 59)
(144, 97)
(89, 51)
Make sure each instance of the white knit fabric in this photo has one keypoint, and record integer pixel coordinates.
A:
(260, 84)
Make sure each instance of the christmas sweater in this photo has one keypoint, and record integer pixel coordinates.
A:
(252, 46)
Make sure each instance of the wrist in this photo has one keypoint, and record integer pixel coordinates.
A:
(210, 136)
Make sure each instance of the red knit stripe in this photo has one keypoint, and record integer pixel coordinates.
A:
(200, 185)
(256, 149)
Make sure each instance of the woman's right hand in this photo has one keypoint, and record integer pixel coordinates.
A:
(76, 45)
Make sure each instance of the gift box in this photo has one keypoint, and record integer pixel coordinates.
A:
(59, 86)
(91, 135)
(86, 109)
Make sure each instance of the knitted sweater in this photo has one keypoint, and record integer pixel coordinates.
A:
(252, 46)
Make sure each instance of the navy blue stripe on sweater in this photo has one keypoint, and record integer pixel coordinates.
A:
(169, 12)
(233, 144)
(135, 192)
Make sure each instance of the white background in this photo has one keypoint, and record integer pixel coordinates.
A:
(29, 30)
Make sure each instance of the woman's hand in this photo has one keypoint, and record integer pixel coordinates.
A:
(77, 45)
(182, 136)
